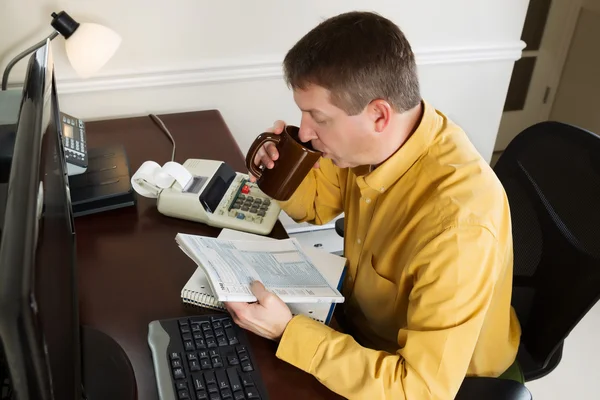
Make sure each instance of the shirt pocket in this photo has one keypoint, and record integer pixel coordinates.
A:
(376, 297)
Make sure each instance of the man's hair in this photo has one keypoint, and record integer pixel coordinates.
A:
(358, 57)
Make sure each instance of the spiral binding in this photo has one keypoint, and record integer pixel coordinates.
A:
(208, 301)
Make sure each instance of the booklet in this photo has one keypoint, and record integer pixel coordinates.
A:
(282, 266)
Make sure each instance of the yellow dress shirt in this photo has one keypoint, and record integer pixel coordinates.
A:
(430, 261)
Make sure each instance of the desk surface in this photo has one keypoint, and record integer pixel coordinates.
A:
(130, 269)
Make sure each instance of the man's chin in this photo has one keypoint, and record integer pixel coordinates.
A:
(339, 164)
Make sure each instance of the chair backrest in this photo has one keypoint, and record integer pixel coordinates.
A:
(551, 174)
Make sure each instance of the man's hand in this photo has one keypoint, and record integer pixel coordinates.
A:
(267, 154)
(268, 317)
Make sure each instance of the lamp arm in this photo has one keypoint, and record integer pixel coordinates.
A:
(21, 55)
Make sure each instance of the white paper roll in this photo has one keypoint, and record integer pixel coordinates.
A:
(178, 172)
(151, 178)
(143, 180)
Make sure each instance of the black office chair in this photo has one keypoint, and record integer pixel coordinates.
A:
(551, 174)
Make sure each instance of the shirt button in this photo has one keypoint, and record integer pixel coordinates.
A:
(358, 241)
(367, 200)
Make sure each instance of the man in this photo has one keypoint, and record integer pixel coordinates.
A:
(427, 226)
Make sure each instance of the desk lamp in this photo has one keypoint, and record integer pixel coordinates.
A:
(89, 46)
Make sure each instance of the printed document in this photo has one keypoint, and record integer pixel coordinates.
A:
(282, 266)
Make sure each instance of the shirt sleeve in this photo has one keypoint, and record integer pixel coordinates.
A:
(318, 199)
(454, 279)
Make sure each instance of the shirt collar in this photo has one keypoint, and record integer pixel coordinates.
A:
(392, 169)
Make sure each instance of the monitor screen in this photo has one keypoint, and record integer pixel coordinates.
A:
(39, 324)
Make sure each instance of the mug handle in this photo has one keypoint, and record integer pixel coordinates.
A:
(255, 147)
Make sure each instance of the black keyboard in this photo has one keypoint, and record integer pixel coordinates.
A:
(204, 358)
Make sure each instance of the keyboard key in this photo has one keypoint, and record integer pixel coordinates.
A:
(178, 373)
(210, 343)
(205, 326)
(200, 344)
(251, 393)
(222, 341)
(188, 345)
(217, 324)
(198, 381)
(175, 356)
(217, 362)
(231, 337)
(246, 380)
(234, 379)
(202, 395)
(186, 336)
(212, 388)
(247, 367)
(181, 385)
(176, 363)
(215, 396)
(198, 336)
(209, 334)
(184, 329)
(183, 322)
(192, 356)
(213, 353)
(210, 378)
(227, 323)
(226, 394)
(233, 360)
(239, 395)
(183, 394)
(194, 365)
(196, 328)
(222, 381)
(203, 354)
(205, 363)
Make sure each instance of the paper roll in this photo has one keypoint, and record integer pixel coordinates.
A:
(151, 178)
(178, 172)
(143, 180)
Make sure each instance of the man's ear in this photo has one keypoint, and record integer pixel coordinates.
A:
(380, 112)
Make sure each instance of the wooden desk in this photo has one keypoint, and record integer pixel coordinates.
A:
(130, 269)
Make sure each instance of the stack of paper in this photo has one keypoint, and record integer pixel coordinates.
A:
(307, 279)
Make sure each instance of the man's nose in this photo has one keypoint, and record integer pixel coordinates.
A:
(306, 134)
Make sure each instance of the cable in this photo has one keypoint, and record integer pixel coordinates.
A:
(162, 126)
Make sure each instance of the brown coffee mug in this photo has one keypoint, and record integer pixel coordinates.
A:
(295, 162)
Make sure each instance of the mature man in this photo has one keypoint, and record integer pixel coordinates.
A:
(427, 231)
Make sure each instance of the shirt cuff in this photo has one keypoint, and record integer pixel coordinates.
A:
(300, 341)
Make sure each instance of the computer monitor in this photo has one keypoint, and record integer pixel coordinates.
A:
(46, 355)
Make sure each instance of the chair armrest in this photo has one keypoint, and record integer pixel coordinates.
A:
(476, 388)
(339, 226)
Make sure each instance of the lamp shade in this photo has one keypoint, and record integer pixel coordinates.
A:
(90, 47)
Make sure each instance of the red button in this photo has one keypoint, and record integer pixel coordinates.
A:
(245, 189)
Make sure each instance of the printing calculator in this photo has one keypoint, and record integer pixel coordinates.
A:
(221, 197)
(74, 140)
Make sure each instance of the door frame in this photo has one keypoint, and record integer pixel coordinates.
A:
(559, 29)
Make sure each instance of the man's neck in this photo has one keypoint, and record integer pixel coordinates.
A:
(405, 125)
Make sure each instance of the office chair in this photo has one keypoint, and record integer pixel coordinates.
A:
(551, 174)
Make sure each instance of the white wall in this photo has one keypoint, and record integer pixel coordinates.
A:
(199, 54)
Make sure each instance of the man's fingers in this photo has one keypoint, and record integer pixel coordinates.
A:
(259, 290)
(278, 126)
(271, 150)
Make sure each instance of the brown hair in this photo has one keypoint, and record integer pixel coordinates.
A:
(358, 57)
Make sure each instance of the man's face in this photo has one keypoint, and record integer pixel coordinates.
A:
(345, 139)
